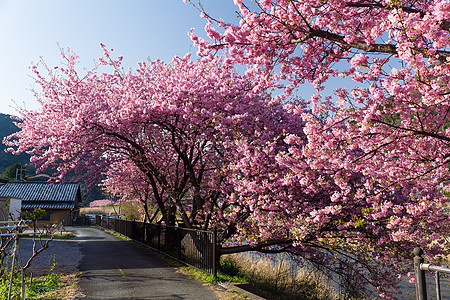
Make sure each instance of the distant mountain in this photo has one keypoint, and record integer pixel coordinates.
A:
(7, 159)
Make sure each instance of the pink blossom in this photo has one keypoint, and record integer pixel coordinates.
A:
(359, 59)
(100, 203)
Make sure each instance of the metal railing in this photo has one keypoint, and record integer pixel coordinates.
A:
(419, 271)
(194, 247)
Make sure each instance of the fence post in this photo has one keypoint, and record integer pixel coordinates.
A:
(438, 286)
(144, 234)
(133, 233)
(215, 255)
(178, 242)
(421, 286)
(159, 230)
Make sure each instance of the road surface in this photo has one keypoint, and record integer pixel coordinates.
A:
(113, 268)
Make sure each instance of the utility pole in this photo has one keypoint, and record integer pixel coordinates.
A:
(20, 173)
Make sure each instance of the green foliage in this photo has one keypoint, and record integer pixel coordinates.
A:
(201, 275)
(10, 172)
(4, 284)
(44, 284)
(37, 213)
(34, 215)
(87, 194)
(230, 270)
(123, 237)
(38, 286)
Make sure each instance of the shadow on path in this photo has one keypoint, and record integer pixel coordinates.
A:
(117, 269)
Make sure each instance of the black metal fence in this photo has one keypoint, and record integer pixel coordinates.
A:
(419, 271)
(194, 247)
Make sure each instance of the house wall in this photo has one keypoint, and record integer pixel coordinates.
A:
(56, 216)
(10, 208)
(3, 210)
(60, 216)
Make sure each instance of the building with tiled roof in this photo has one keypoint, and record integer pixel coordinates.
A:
(60, 200)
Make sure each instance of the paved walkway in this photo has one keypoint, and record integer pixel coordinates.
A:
(116, 269)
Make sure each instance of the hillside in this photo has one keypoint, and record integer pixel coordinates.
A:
(7, 159)
(7, 127)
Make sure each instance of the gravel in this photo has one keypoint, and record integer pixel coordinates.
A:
(65, 253)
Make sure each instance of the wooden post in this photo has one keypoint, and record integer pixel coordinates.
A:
(421, 286)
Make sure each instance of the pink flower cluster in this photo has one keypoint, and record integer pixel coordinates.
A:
(357, 172)
(378, 150)
(100, 203)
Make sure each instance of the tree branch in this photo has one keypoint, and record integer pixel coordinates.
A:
(258, 247)
(418, 132)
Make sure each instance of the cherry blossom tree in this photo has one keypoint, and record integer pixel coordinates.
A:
(399, 49)
(377, 149)
(126, 182)
(347, 184)
(101, 203)
(168, 134)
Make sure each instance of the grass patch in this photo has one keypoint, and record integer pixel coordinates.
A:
(119, 235)
(66, 289)
(57, 236)
(44, 285)
(205, 277)
(47, 286)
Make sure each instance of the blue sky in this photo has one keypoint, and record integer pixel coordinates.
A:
(138, 29)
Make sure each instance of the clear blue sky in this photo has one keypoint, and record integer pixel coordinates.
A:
(138, 29)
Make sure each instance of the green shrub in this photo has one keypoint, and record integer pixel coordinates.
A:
(39, 285)
(229, 267)
(16, 289)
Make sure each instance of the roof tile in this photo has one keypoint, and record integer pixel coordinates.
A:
(40, 191)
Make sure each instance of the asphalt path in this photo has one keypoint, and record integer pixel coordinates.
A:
(112, 268)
